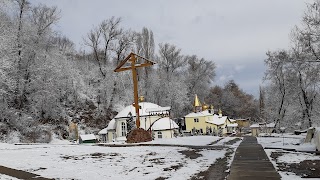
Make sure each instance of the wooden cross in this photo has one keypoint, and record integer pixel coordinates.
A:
(133, 59)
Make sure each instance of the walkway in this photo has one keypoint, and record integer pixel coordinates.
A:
(251, 162)
(19, 174)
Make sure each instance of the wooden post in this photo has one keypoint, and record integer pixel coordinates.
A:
(135, 89)
(133, 67)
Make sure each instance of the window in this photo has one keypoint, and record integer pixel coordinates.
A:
(196, 120)
(159, 135)
(123, 129)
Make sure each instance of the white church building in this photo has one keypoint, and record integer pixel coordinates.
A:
(153, 118)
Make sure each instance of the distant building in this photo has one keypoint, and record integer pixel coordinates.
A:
(243, 123)
(222, 124)
(204, 120)
(258, 128)
(153, 118)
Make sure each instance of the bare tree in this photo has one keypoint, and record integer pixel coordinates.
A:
(170, 59)
(23, 7)
(276, 74)
(43, 17)
(121, 47)
(200, 75)
(101, 38)
(145, 47)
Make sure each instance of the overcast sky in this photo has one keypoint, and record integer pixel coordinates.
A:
(235, 34)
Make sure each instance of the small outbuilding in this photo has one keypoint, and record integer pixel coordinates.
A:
(243, 123)
(87, 138)
(258, 128)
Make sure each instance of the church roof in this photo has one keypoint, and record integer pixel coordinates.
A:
(103, 131)
(131, 109)
(216, 119)
(111, 125)
(233, 125)
(270, 125)
(199, 114)
(196, 102)
(163, 124)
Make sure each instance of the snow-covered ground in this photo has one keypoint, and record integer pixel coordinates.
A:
(65, 160)
(69, 161)
(196, 141)
(190, 140)
(5, 177)
(287, 141)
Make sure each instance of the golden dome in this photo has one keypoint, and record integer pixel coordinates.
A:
(211, 107)
(141, 99)
(204, 106)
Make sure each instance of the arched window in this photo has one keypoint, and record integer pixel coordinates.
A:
(159, 135)
(123, 129)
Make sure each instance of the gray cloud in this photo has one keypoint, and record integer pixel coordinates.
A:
(229, 32)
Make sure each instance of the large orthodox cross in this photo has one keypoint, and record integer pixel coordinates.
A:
(132, 58)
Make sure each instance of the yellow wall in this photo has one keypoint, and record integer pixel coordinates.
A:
(202, 124)
(190, 124)
(216, 128)
(213, 126)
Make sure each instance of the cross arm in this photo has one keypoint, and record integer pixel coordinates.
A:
(137, 66)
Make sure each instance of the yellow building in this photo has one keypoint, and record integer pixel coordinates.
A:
(197, 121)
(204, 121)
(221, 125)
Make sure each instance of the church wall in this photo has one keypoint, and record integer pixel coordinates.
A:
(118, 127)
(147, 120)
(200, 124)
(110, 136)
(165, 134)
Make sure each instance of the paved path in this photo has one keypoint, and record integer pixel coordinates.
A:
(210, 147)
(19, 174)
(251, 162)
